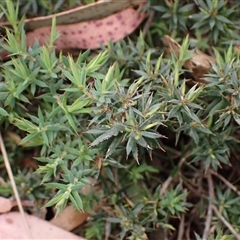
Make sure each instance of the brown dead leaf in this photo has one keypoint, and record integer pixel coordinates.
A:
(70, 218)
(12, 227)
(14, 137)
(5, 205)
(29, 162)
(198, 65)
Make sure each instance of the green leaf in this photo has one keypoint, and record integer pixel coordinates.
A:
(113, 220)
(151, 134)
(130, 145)
(108, 134)
(115, 143)
(109, 173)
(54, 200)
(3, 112)
(57, 186)
(77, 105)
(76, 200)
(71, 121)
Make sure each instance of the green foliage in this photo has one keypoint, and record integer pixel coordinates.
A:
(219, 236)
(115, 126)
(214, 18)
(176, 13)
(95, 230)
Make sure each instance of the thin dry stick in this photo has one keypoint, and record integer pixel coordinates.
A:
(209, 212)
(188, 232)
(225, 181)
(10, 175)
(226, 223)
(181, 228)
(170, 178)
(148, 23)
(182, 223)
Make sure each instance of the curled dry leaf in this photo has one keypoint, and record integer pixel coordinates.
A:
(14, 137)
(7, 204)
(198, 65)
(237, 48)
(93, 11)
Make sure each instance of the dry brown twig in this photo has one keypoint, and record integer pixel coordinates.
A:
(166, 184)
(225, 222)
(225, 181)
(182, 223)
(148, 22)
(214, 208)
(211, 196)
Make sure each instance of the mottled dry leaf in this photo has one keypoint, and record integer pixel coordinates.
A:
(12, 227)
(91, 34)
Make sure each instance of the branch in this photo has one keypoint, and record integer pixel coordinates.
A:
(225, 181)
(226, 223)
(166, 184)
(209, 212)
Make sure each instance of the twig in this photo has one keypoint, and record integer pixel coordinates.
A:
(182, 223)
(191, 221)
(214, 208)
(148, 22)
(166, 184)
(187, 234)
(193, 190)
(225, 181)
(181, 228)
(226, 223)
(209, 212)
(165, 232)
(13, 183)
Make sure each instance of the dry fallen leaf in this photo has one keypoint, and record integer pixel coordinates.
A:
(12, 227)
(88, 12)
(91, 34)
(198, 65)
(5, 205)
(70, 218)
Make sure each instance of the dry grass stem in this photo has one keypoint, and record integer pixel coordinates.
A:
(13, 183)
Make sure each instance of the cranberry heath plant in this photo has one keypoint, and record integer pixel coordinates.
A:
(127, 125)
